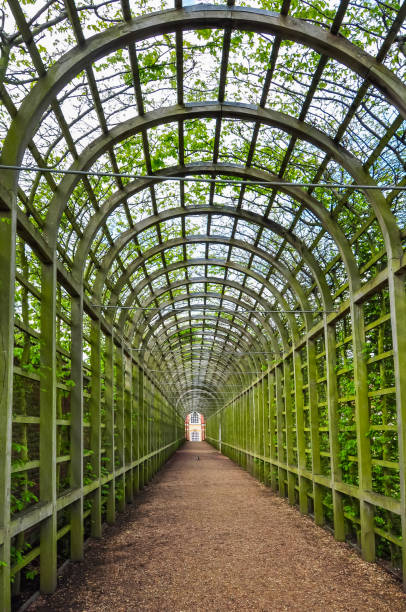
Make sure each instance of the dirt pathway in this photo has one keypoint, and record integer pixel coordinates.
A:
(206, 536)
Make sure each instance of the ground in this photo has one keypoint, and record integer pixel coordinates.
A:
(206, 536)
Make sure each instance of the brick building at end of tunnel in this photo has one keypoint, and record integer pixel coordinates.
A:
(195, 427)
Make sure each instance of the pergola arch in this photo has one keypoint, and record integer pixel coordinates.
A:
(221, 263)
(235, 329)
(238, 315)
(318, 392)
(252, 361)
(218, 367)
(237, 302)
(209, 294)
(207, 318)
(209, 309)
(248, 173)
(226, 211)
(221, 327)
(197, 388)
(182, 344)
(255, 20)
(229, 334)
(296, 288)
(243, 112)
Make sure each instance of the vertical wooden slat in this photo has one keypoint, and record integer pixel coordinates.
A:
(141, 428)
(76, 472)
(128, 450)
(314, 430)
(7, 280)
(48, 541)
(362, 425)
(120, 424)
(110, 442)
(273, 429)
(136, 425)
(398, 317)
(280, 434)
(298, 381)
(95, 426)
(330, 342)
(289, 432)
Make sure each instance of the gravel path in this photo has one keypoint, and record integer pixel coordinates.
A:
(206, 536)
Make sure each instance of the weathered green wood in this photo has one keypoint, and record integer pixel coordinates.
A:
(272, 428)
(48, 540)
(147, 404)
(251, 431)
(314, 430)
(95, 427)
(330, 344)
(241, 415)
(128, 429)
(76, 467)
(265, 425)
(362, 425)
(110, 442)
(280, 433)
(120, 423)
(289, 426)
(261, 427)
(136, 424)
(24, 360)
(257, 428)
(398, 318)
(141, 436)
(247, 424)
(7, 272)
(298, 381)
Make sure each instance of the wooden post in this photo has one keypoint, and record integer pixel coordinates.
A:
(128, 429)
(289, 430)
(362, 424)
(300, 437)
(7, 288)
(314, 430)
(330, 342)
(136, 424)
(95, 426)
(398, 317)
(120, 423)
(273, 429)
(110, 441)
(48, 541)
(76, 509)
(141, 436)
(280, 434)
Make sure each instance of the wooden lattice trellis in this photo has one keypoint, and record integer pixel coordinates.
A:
(238, 285)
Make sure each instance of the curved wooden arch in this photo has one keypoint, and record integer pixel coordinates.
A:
(246, 215)
(238, 18)
(294, 285)
(234, 284)
(248, 113)
(228, 332)
(207, 294)
(235, 332)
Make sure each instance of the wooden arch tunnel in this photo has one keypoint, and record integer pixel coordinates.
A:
(201, 208)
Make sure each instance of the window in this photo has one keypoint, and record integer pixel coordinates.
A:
(195, 436)
(195, 418)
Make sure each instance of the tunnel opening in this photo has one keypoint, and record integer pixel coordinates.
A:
(202, 212)
(195, 427)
